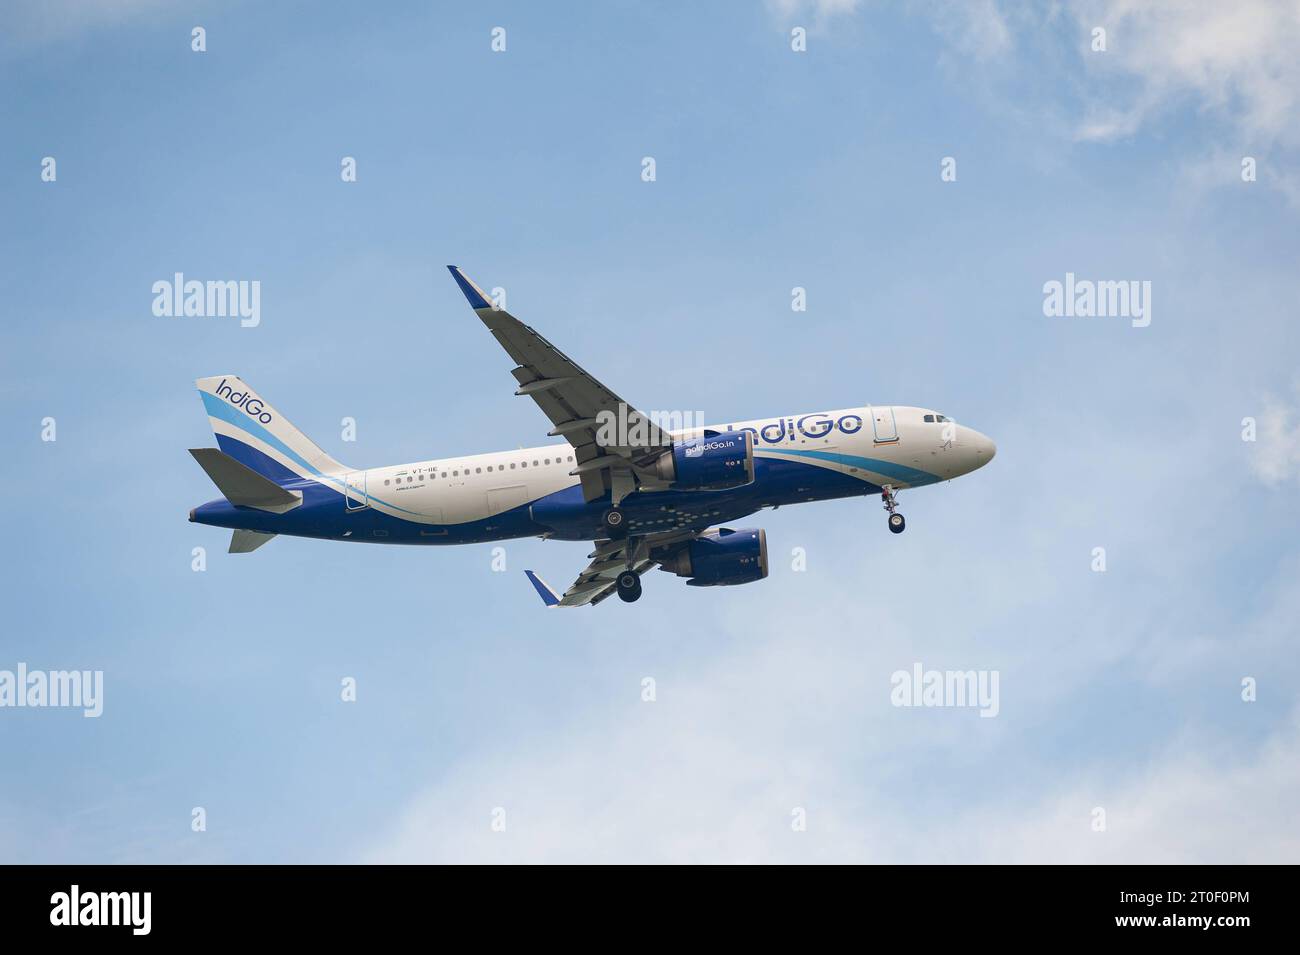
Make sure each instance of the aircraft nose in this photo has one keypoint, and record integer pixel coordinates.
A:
(985, 448)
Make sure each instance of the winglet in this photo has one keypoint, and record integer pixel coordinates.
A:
(549, 596)
(472, 292)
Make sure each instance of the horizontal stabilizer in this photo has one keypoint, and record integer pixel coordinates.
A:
(242, 485)
(245, 542)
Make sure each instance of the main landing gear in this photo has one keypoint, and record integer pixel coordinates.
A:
(629, 586)
(615, 522)
(896, 521)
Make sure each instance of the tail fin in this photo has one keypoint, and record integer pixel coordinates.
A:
(255, 434)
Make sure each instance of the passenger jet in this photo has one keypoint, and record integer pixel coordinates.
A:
(643, 494)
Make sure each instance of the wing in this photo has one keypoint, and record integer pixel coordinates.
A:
(608, 560)
(575, 402)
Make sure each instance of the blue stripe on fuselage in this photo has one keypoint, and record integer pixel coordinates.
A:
(901, 472)
(264, 464)
(323, 514)
(563, 514)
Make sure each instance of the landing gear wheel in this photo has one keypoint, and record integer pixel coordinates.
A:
(896, 522)
(615, 522)
(629, 586)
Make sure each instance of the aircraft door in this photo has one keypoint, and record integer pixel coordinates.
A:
(502, 499)
(883, 424)
(354, 496)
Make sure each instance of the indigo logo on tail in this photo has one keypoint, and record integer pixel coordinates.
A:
(246, 401)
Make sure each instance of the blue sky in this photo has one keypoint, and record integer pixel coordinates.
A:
(775, 169)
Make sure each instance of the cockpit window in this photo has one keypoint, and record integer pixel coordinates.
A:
(929, 418)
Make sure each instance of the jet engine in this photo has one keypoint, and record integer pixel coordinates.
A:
(721, 557)
(714, 461)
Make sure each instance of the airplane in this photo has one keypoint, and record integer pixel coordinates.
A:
(642, 494)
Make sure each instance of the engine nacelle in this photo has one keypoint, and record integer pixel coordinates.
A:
(715, 461)
(721, 557)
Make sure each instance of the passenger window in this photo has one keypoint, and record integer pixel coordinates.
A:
(524, 464)
(512, 465)
(548, 460)
(387, 482)
(478, 470)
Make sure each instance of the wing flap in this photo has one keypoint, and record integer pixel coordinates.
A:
(608, 559)
(597, 589)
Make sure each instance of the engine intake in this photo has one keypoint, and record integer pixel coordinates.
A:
(714, 461)
(721, 557)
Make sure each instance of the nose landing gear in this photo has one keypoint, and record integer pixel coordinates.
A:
(896, 521)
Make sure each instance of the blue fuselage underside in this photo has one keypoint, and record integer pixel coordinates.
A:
(563, 515)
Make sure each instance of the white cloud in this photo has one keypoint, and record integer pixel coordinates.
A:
(33, 23)
(815, 15)
(652, 787)
(1236, 61)
(821, 9)
(1235, 64)
(1275, 455)
(977, 28)
(1192, 806)
(791, 708)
